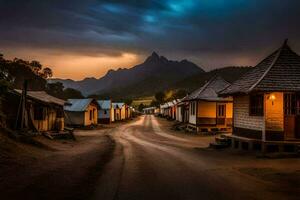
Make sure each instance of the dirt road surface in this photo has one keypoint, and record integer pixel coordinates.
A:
(144, 159)
(152, 162)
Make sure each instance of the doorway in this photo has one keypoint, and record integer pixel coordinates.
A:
(291, 116)
(221, 114)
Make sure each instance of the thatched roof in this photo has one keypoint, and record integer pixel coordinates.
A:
(280, 71)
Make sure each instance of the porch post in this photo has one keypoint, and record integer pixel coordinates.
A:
(263, 148)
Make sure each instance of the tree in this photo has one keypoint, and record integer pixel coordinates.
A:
(141, 107)
(180, 94)
(5, 78)
(36, 66)
(154, 103)
(55, 89)
(160, 97)
(128, 101)
(47, 73)
(71, 93)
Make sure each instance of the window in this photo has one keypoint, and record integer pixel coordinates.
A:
(39, 113)
(291, 104)
(221, 111)
(105, 112)
(256, 107)
(91, 115)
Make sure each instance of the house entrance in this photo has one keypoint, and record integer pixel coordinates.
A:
(221, 114)
(292, 116)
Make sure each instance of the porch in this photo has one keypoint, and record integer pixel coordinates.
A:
(244, 143)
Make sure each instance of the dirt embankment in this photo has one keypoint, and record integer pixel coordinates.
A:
(61, 169)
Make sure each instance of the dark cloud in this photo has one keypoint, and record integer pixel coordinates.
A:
(199, 29)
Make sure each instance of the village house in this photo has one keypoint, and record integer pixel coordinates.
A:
(149, 110)
(36, 111)
(128, 112)
(266, 103)
(119, 111)
(174, 109)
(104, 113)
(207, 111)
(81, 112)
(167, 110)
(182, 114)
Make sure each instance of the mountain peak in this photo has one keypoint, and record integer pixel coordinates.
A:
(153, 58)
(154, 54)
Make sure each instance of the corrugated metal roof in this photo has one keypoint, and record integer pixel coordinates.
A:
(104, 104)
(117, 105)
(210, 90)
(43, 96)
(78, 105)
(280, 71)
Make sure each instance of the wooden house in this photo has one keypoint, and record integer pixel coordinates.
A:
(207, 111)
(266, 102)
(119, 111)
(104, 112)
(81, 112)
(167, 109)
(128, 112)
(112, 113)
(182, 108)
(42, 112)
(123, 111)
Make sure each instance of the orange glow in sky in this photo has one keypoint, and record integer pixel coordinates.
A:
(79, 67)
(76, 66)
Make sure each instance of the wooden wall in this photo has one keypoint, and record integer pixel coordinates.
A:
(241, 115)
(87, 121)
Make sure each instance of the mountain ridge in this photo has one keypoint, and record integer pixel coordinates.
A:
(154, 66)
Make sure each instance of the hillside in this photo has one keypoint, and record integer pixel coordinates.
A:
(195, 81)
(154, 74)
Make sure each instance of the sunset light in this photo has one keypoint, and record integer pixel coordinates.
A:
(150, 99)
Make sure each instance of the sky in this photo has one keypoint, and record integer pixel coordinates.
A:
(79, 39)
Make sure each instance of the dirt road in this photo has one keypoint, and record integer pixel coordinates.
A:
(151, 162)
(144, 159)
(68, 170)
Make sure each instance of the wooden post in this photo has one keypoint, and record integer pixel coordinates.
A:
(24, 95)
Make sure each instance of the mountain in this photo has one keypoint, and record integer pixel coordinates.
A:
(156, 73)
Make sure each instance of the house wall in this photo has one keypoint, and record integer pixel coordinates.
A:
(179, 114)
(123, 113)
(75, 118)
(50, 122)
(241, 115)
(87, 121)
(192, 118)
(207, 113)
(229, 110)
(103, 115)
(117, 114)
(112, 116)
(274, 112)
(206, 109)
(129, 113)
